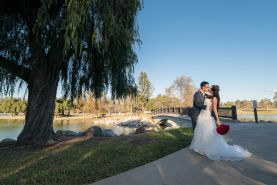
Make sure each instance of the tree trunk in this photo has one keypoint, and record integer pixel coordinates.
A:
(42, 89)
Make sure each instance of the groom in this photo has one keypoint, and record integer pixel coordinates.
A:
(198, 103)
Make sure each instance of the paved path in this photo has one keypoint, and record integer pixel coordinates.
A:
(185, 167)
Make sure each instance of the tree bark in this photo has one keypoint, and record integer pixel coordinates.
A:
(42, 87)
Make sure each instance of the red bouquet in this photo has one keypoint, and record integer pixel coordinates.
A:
(223, 129)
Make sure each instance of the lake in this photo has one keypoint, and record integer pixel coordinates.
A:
(265, 117)
(12, 128)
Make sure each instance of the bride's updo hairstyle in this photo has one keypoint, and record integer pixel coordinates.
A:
(215, 91)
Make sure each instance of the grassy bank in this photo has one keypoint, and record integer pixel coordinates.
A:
(81, 161)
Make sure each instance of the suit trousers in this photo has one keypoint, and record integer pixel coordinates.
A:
(194, 122)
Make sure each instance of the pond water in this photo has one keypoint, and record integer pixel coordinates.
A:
(12, 128)
(265, 117)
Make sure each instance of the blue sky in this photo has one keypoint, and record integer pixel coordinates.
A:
(232, 43)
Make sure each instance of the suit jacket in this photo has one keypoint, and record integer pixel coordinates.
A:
(198, 104)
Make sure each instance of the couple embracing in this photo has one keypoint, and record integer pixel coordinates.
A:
(205, 119)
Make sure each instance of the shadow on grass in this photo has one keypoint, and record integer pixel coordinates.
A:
(80, 161)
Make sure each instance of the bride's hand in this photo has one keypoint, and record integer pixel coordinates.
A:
(219, 122)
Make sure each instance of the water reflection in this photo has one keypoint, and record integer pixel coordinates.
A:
(12, 128)
(265, 117)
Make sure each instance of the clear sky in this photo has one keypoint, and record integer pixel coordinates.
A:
(232, 43)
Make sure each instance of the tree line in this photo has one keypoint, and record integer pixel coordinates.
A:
(63, 106)
(248, 104)
(179, 93)
(89, 103)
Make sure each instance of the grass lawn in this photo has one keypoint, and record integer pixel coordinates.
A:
(81, 161)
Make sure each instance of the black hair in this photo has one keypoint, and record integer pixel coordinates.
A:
(203, 84)
(215, 90)
(209, 96)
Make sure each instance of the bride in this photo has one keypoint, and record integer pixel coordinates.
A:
(207, 141)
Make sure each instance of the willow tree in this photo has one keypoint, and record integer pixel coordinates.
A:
(85, 45)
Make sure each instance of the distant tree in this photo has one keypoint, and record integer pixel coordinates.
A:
(162, 101)
(183, 89)
(275, 100)
(145, 89)
(245, 104)
(275, 97)
(86, 45)
(63, 105)
(228, 104)
(13, 105)
(266, 104)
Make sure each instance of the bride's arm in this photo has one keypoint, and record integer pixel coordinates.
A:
(215, 110)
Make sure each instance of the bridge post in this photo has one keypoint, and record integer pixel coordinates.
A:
(234, 113)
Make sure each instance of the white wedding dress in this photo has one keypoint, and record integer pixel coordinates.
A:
(208, 142)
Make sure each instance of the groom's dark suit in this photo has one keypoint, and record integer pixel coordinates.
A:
(198, 105)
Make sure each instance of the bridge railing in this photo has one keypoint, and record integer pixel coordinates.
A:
(225, 112)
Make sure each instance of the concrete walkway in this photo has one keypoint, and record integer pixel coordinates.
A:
(185, 167)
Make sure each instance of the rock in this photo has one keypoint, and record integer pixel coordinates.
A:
(153, 129)
(50, 142)
(8, 141)
(95, 131)
(108, 133)
(162, 122)
(172, 125)
(167, 124)
(67, 133)
(140, 130)
(147, 124)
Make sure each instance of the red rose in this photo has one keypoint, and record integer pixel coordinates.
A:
(223, 129)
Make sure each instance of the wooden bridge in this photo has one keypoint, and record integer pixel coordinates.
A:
(224, 112)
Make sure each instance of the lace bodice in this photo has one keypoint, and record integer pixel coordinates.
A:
(208, 103)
